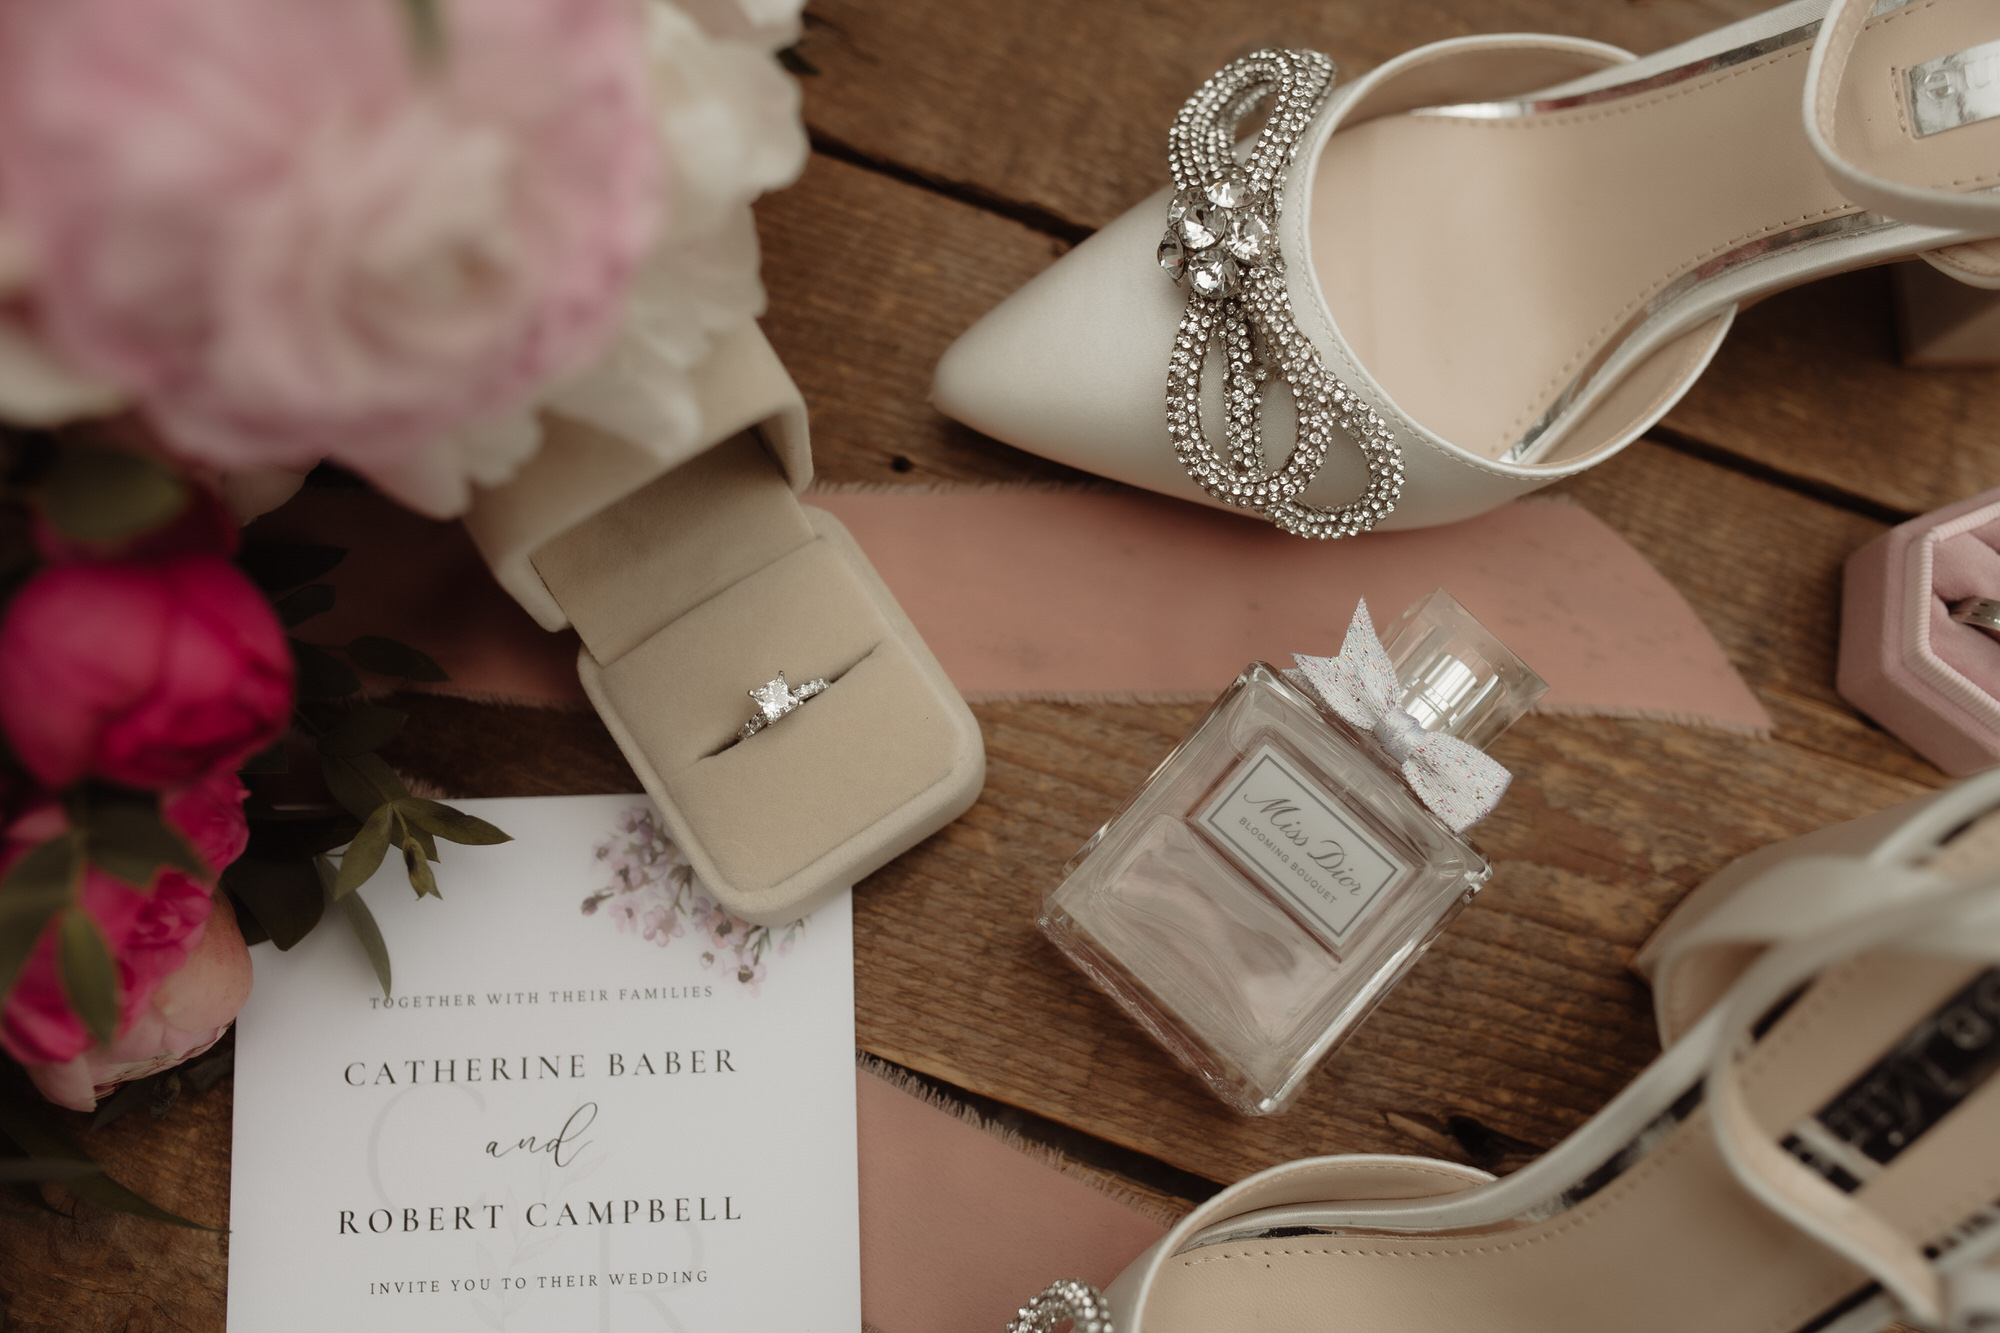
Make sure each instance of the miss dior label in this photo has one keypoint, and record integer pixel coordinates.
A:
(1293, 835)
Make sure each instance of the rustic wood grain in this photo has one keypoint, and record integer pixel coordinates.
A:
(1810, 383)
(955, 172)
(1064, 107)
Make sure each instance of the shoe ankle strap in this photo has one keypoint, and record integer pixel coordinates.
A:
(1958, 919)
(1977, 212)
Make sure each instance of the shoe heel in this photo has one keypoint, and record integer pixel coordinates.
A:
(1946, 322)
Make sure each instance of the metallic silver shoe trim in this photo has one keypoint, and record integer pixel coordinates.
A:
(1687, 289)
(1694, 69)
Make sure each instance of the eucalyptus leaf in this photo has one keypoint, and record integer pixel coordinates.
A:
(26, 1119)
(276, 568)
(387, 657)
(89, 978)
(127, 838)
(298, 607)
(284, 897)
(449, 824)
(362, 921)
(364, 855)
(94, 494)
(321, 675)
(414, 861)
(40, 884)
(365, 728)
(361, 782)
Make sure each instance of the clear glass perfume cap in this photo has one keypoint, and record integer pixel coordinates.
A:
(1454, 676)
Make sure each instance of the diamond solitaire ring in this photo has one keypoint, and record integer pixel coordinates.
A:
(775, 699)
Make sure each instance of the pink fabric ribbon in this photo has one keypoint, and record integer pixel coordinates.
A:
(1458, 781)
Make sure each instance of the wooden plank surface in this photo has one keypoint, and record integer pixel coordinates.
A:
(962, 150)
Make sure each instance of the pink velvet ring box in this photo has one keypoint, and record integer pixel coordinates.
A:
(1903, 661)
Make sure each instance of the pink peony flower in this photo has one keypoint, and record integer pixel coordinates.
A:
(189, 1013)
(291, 234)
(150, 935)
(152, 675)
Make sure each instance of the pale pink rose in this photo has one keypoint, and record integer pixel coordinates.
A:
(290, 235)
(188, 1014)
(150, 935)
(149, 674)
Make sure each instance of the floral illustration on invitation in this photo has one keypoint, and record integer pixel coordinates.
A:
(655, 894)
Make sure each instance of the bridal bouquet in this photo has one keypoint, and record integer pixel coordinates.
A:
(239, 239)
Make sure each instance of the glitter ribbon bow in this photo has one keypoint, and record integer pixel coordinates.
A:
(1458, 781)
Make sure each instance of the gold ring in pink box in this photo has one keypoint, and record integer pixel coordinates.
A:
(1903, 661)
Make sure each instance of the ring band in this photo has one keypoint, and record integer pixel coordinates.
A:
(775, 699)
(1978, 612)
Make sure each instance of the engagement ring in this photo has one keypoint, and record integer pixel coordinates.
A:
(775, 699)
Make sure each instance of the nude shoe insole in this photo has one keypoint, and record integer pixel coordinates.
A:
(1477, 266)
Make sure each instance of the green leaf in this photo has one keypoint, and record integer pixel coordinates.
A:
(364, 855)
(126, 837)
(361, 782)
(449, 824)
(312, 600)
(419, 867)
(127, 1099)
(386, 657)
(284, 897)
(88, 977)
(362, 921)
(273, 758)
(25, 1119)
(276, 568)
(247, 922)
(321, 674)
(40, 884)
(364, 728)
(107, 495)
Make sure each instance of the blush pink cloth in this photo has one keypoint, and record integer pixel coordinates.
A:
(959, 1230)
(1075, 594)
(1090, 593)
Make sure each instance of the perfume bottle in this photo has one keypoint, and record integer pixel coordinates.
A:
(1278, 873)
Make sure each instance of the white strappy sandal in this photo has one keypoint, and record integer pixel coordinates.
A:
(1817, 1152)
(1488, 264)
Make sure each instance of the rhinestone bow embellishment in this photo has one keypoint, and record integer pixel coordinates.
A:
(1222, 244)
(1460, 782)
(1080, 1304)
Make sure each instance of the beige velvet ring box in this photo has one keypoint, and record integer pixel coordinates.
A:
(694, 576)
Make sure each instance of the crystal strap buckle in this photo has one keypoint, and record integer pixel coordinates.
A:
(1222, 243)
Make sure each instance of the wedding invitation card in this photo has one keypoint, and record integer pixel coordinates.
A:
(593, 1101)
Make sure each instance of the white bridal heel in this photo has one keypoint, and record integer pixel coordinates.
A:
(1817, 1152)
(1488, 264)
